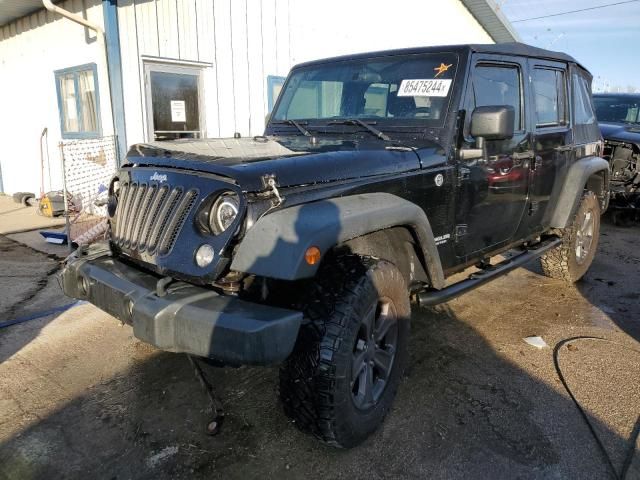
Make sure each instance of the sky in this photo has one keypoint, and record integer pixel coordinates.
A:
(606, 41)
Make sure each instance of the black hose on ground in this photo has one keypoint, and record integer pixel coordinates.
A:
(636, 430)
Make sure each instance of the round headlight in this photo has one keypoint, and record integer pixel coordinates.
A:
(224, 212)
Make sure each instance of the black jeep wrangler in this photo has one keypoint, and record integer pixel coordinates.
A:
(378, 176)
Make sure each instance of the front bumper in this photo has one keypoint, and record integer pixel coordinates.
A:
(187, 318)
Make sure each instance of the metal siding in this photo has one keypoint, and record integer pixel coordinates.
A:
(132, 81)
(242, 98)
(207, 53)
(282, 35)
(270, 54)
(224, 55)
(147, 28)
(206, 31)
(256, 73)
(168, 29)
(187, 29)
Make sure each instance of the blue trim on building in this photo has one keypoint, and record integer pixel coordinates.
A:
(76, 85)
(1, 184)
(272, 82)
(112, 39)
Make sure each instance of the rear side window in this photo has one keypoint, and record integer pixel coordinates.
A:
(550, 97)
(582, 106)
(498, 85)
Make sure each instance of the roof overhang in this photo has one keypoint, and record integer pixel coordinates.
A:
(485, 11)
(490, 16)
(11, 10)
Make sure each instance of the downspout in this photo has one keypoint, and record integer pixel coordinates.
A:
(76, 18)
(101, 40)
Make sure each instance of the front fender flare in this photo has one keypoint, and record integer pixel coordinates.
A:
(275, 246)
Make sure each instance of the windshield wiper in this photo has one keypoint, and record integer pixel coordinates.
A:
(298, 125)
(357, 121)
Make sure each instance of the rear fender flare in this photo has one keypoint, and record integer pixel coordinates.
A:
(574, 183)
(275, 246)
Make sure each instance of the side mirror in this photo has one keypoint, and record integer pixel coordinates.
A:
(493, 122)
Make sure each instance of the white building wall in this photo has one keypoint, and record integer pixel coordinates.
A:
(241, 42)
(340, 27)
(31, 49)
(237, 44)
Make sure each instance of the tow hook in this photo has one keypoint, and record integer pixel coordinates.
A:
(215, 424)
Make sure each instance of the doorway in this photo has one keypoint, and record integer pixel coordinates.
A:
(174, 102)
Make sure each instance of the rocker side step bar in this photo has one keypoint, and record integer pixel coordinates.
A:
(477, 279)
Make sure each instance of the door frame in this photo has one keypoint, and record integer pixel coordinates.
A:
(525, 132)
(562, 155)
(171, 67)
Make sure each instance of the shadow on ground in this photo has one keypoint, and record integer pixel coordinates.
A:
(477, 402)
(616, 265)
(464, 410)
(28, 286)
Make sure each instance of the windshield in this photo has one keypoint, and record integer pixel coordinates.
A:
(617, 109)
(401, 89)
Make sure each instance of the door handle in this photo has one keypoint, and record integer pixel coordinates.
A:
(519, 156)
(564, 148)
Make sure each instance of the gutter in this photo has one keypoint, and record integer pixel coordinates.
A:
(114, 76)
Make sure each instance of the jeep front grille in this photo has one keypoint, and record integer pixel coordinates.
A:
(149, 217)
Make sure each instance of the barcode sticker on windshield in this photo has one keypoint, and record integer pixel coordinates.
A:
(434, 87)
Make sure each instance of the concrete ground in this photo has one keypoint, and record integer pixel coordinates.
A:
(80, 397)
(15, 217)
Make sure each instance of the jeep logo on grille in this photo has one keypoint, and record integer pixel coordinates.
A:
(156, 177)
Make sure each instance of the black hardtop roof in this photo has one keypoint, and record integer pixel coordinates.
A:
(512, 48)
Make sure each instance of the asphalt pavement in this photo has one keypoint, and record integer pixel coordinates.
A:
(81, 397)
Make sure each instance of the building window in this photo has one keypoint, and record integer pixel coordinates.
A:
(78, 101)
(274, 85)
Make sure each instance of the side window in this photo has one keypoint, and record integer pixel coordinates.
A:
(549, 91)
(498, 85)
(583, 108)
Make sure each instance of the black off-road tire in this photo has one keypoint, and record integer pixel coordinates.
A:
(563, 262)
(18, 196)
(28, 199)
(316, 381)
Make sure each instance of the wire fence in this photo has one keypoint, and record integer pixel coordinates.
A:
(88, 167)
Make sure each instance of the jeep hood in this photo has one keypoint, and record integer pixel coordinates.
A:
(621, 132)
(294, 160)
